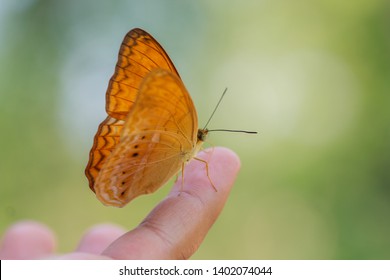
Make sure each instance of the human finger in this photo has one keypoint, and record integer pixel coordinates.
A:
(177, 226)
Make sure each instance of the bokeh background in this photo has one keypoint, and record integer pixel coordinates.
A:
(313, 77)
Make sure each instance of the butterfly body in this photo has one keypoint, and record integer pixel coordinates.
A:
(151, 130)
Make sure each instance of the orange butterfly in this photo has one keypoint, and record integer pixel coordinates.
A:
(151, 130)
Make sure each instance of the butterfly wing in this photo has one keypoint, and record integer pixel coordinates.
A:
(106, 138)
(139, 54)
(159, 135)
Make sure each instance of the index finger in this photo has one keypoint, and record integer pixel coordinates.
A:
(177, 226)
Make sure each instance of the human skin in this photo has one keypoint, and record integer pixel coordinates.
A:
(174, 229)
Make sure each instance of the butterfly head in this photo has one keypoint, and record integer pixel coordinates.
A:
(202, 134)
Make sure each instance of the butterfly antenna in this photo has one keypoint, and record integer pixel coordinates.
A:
(215, 109)
(234, 130)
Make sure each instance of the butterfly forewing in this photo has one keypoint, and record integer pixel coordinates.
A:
(106, 139)
(139, 54)
(159, 135)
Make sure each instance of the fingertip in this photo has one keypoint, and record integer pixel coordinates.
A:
(27, 240)
(225, 154)
(222, 165)
(225, 165)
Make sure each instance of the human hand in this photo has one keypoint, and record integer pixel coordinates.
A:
(173, 230)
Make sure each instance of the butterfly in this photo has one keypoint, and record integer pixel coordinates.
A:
(151, 129)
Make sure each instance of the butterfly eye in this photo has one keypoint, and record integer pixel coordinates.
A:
(135, 155)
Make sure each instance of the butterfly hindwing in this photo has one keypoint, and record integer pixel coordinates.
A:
(159, 135)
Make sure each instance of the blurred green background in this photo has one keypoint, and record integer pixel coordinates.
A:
(313, 77)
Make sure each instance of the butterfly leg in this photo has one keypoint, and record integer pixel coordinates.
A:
(177, 177)
(207, 171)
(182, 177)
